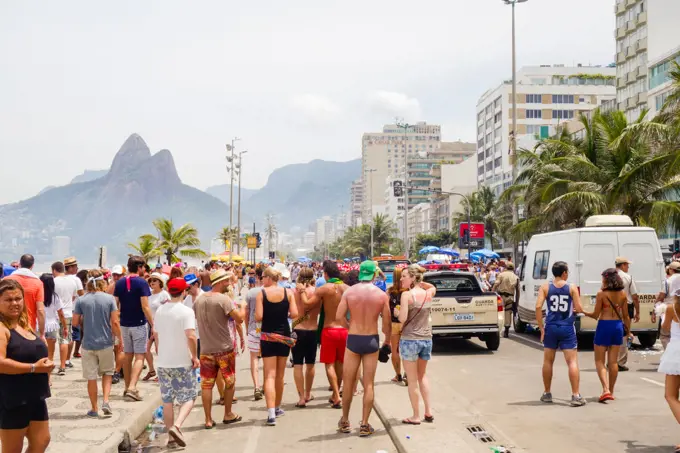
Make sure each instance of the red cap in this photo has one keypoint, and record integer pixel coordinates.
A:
(177, 285)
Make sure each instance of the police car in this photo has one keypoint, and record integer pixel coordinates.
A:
(462, 309)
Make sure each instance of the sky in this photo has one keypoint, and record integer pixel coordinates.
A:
(295, 80)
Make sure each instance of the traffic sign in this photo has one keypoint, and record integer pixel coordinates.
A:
(252, 242)
(476, 230)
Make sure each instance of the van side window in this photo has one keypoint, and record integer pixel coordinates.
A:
(523, 267)
(541, 265)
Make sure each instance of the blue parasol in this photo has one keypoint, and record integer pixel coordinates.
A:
(429, 249)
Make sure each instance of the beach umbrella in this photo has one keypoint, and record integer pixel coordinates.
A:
(448, 251)
(486, 253)
(429, 249)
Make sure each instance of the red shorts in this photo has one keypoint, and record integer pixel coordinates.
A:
(333, 344)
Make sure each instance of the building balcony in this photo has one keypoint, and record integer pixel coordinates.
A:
(621, 82)
(642, 18)
(631, 25)
(620, 8)
(621, 32)
(642, 98)
(641, 72)
(633, 101)
(620, 57)
(630, 52)
(631, 77)
(641, 45)
(630, 3)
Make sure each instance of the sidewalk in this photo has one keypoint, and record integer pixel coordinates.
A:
(73, 432)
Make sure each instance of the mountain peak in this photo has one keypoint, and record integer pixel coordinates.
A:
(133, 152)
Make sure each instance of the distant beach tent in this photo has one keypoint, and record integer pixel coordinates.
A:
(224, 257)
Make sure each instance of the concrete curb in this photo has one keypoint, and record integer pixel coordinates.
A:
(388, 427)
(136, 425)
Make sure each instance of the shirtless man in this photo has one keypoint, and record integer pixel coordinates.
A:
(204, 275)
(334, 334)
(365, 303)
(305, 327)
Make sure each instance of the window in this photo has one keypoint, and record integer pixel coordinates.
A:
(562, 98)
(534, 98)
(541, 265)
(480, 170)
(533, 114)
(562, 114)
(497, 162)
(497, 118)
(497, 102)
(489, 123)
(480, 156)
(538, 81)
(489, 166)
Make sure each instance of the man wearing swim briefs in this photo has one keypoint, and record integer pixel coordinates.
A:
(334, 333)
(365, 302)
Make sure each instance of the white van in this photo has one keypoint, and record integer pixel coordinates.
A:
(588, 251)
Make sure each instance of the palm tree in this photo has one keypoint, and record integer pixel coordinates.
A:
(226, 236)
(357, 240)
(482, 209)
(618, 168)
(270, 230)
(670, 111)
(182, 241)
(147, 247)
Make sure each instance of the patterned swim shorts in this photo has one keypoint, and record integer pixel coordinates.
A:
(211, 364)
(177, 384)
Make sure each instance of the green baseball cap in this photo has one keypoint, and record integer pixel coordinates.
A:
(367, 271)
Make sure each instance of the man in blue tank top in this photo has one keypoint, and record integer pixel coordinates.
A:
(561, 301)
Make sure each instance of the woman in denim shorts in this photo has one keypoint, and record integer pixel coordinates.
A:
(415, 345)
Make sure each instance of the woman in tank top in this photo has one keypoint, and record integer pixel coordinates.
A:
(416, 338)
(394, 292)
(611, 313)
(274, 305)
(24, 370)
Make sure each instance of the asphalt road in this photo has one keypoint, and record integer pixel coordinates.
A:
(500, 391)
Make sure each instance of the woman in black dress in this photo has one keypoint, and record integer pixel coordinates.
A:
(24, 371)
(274, 305)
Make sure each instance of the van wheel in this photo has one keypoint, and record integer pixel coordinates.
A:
(647, 340)
(519, 325)
(493, 341)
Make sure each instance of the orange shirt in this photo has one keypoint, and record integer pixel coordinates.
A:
(34, 292)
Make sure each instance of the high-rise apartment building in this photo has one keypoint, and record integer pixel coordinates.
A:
(547, 96)
(385, 153)
(631, 56)
(663, 40)
(356, 202)
(325, 230)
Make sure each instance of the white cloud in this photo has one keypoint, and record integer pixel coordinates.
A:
(316, 108)
(395, 104)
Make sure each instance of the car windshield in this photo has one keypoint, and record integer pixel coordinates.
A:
(389, 265)
(454, 283)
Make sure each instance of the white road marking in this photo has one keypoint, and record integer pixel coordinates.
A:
(652, 381)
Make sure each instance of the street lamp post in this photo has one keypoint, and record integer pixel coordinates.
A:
(239, 167)
(404, 127)
(513, 134)
(230, 168)
(370, 190)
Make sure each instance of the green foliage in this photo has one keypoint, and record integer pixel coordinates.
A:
(486, 209)
(146, 246)
(174, 243)
(357, 240)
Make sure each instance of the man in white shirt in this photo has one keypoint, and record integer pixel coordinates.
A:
(622, 266)
(174, 328)
(66, 288)
(71, 266)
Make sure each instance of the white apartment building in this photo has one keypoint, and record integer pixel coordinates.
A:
(418, 221)
(385, 153)
(460, 178)
(325, 230)
(393, 205)
(309, 240)
(547, 96)
(663, 38)
(356, 203)
(631, 56)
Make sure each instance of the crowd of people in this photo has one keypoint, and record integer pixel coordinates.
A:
(187, 326)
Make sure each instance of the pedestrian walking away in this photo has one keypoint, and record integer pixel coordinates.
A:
(213, 310)
(77, 277)
(305, 328)
(365, 303)
(55, 323)
(334, 334)
(633, 307)
(98, 310)
(416, 339)
(174, 331)
(24, 370)
(507, 285)
(562, 300)
(275, 305)
(394, 292)
(254, 329)
(613, 326)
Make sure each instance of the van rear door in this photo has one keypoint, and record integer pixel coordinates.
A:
(598, 250)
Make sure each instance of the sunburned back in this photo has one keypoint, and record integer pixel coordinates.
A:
(608, 298)
(365, 302)
(331, 294)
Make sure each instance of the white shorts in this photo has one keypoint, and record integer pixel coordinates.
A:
(253, 342)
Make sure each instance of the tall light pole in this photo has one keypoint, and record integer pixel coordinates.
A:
(370, 190)
(404, 127)
(230, 168)
(239, 169)
(513, 133)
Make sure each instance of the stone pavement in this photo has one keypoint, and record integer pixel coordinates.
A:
(310, 429)
(73, 432)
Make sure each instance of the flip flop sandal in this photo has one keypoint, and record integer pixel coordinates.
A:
(337, 405)
(605, 397)
(344, 427)
(429, 418)
(210, 425)
(397, 378)
(408, 421)
(149, 375)
(236, 419)
(366, 430)
(311, 398)
(220, 402)
(301, 406)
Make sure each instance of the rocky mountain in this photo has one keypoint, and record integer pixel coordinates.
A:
(112, 209)
(221, 192)
(298, 194)
(89, 175)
